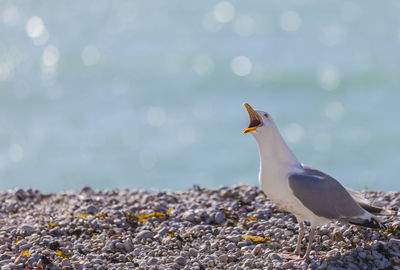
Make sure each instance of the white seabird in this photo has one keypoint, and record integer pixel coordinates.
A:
(307, 193)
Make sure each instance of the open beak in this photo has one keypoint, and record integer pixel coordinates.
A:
(255, 120)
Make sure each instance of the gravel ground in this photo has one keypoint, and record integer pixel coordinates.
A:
(194, 229)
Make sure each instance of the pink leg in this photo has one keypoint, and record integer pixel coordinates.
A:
(297, 251)
(310, 240)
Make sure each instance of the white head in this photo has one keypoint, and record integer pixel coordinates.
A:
(260, 122)
(271, 143)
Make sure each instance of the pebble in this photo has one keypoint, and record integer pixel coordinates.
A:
(180, 260)
(219, 218)
(27, 228)
(203, 229)
(66, 263)
(230, 246)
(91, 209)
(274, 256)
(145, 234)
(193, 252)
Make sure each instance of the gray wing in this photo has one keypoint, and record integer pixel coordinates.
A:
(324, 196)
(357, 196)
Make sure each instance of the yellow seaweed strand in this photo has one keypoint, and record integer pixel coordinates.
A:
(258, 239)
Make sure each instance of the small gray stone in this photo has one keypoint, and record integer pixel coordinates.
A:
(352, 266)
(274, 256)
(145, 234)
(362, 255)
(128, 245)
(91, 209)
(189, 216)
(66, 263)
(162, 231)
(394, 241)
(230, 246)
(4, 262)
(193, 252)
(180, 260)
(20, 194)
(27, 228)
(234, 238)
(223, 258)
(256, 250)
(153, 261)
(219, 218)
(287, 265)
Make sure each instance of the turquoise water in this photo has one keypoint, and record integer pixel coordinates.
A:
(148, 93)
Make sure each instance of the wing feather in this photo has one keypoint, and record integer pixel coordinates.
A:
(325, 196)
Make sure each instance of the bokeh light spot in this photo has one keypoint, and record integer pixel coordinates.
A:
(187, 135)
(293, 132)
(90, 55)
(210, 24)
(224, 12)
(35, 27)
(290, 21)
(50, 56)
(11, 15)
(334, 110)
(42, 39)
(203, 64)
(156, 116)
(241, 65)
(329, 78)
(244, 25)
(333, 35)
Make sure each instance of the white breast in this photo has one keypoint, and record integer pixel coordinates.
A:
(275, 185)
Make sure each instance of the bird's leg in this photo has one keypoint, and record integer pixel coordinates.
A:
(310, 240)
(295, 255)
(297, 251)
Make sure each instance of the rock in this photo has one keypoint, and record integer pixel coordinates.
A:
(230, 246)
(223, 258)
(91, 209)
(352, 266)
(193, 252)
(362, 255)
(234, 238)
(219, 218)
(27, 228)
(66, 263)
(180, 260)
(145, 234)
(20, 195)
(256, 250)
(153, 261)
(274, 256)
(287, 265)
(190, 216)
(394, 241)
(4, 262)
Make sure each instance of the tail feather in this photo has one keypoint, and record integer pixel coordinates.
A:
(369, 223)
(364, 203)
(377, 210)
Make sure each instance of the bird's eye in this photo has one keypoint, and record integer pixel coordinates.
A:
(266, 115)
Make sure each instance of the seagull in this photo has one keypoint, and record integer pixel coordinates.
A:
(309, 194)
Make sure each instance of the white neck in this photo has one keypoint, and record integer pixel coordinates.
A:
(273, 149)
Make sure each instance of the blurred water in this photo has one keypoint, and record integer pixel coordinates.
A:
(148, 93)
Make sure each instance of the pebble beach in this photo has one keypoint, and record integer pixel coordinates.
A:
(220, 228)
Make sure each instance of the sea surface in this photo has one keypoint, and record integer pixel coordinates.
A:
(148, 94)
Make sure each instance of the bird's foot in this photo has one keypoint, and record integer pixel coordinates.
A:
(292, 256)
(306, 258)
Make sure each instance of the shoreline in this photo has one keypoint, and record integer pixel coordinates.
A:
(218, 228)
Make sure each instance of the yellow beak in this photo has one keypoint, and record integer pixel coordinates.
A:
(255, 119)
